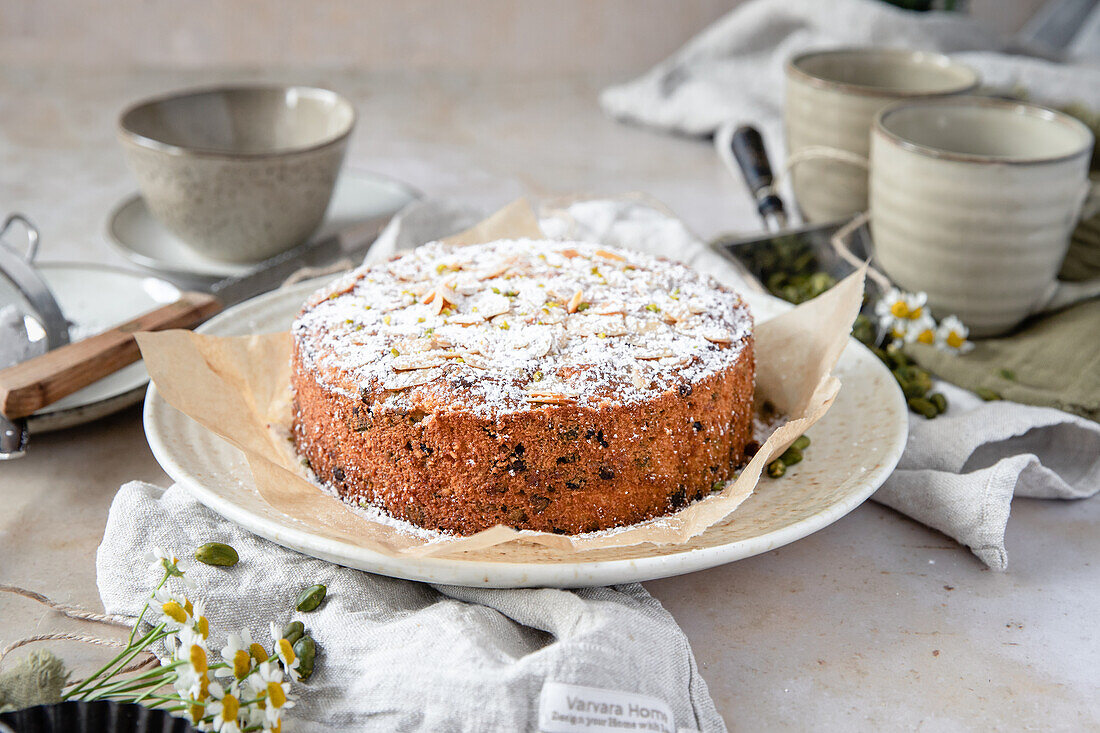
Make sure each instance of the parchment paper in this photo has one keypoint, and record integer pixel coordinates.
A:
(239, 389)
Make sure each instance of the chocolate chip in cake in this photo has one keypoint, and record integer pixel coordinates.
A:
(684, 389)
(571, 458)
(606, 473)
(698, 426)
(679, 498)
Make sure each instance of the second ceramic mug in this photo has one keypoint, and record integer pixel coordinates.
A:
(832, 98)
(974, 200)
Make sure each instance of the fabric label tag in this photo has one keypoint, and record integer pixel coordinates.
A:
(575, 709)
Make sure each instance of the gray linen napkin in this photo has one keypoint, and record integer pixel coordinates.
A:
(733, 70)
(960, 471)
(398, 655)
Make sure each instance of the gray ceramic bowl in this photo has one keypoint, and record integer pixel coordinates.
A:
(238, 173)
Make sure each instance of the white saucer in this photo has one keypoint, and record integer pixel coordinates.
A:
(94, 298)
(133, 231)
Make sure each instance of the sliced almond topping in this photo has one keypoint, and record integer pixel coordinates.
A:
(412, 345)
(440, 342)
(493, 304)
(551, 398)
(475, 360)
(408, 362)
(539, 343)
(569, 253)
(441, 295)
(575, 301)
(610, 308)
(696, 307)
(610, 255)
(718, 337)
(405, 380)
(653, 354)
(495, 269)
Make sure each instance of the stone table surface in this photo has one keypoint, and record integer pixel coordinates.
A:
(874, 623)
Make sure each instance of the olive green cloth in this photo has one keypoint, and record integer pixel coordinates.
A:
(36, 679)
(1053, 359)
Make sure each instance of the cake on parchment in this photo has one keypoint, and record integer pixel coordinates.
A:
(555, 386)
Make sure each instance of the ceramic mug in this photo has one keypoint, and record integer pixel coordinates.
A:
(832, 98)
(974, 200)
(239, 173)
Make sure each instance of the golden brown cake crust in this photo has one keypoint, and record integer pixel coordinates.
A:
(614, 387)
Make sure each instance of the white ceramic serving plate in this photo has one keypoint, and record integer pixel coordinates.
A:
(132, 230)
(79, 289)
(855, 447)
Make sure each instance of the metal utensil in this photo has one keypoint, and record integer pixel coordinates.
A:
(37, 382)
(813, 242)
(18, 267)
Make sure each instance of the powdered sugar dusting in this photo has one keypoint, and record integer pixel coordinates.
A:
(516, 325)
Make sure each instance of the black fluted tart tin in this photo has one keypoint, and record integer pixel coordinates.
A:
(92, 717)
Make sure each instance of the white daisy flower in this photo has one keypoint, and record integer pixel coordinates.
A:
(921, 330)
(237, 655)
(226, 709)
(267, 682)
(914, 304)
(194, 677)
(952, 336)
(175, 610)
(285, 651)
(162, 560)
(201, 625)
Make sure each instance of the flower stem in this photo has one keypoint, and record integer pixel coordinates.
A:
(158, 677)
(145, 608)
(120, 660)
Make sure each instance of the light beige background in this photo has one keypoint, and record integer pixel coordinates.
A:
(519, 36)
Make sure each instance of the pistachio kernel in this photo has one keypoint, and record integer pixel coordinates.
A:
(305, 649)
(217, 553)
(310, 598)
(293, 631)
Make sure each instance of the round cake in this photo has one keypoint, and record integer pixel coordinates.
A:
(555, 386)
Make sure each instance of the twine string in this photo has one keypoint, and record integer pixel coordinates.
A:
(75, 612)
(80, 614)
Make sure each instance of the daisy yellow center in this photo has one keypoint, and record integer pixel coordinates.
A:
(899, 310)
(196, 711)
(174, 611)
(197, 655)
(258, 652)
(188, 607)
(275, 694)
(926, 336)
(203, 627)
(230, 707)
(241, 663)
(286, 651)
(916, 312)
(954, 340)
